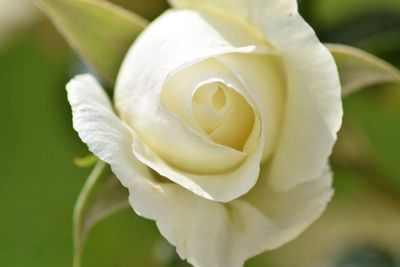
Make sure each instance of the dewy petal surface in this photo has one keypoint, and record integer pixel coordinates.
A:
(313, 105)
(167, 45)
(208, 233)
(103, 132)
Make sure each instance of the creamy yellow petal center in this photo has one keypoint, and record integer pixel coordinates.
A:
(223, 114)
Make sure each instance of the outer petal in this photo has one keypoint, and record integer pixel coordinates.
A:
(208, 233)
(294, 210)
(313, 108)
(166, 46)
(103, 132)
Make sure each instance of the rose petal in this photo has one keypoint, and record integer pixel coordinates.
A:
(208, 233)
(264, 78)
(294, 210)
(103, 132)
(313, 108)
(179, 96)
(218, 187)
(166, 46)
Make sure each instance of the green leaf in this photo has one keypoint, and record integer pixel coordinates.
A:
(359, 69)
(99, 31)
(101, 196)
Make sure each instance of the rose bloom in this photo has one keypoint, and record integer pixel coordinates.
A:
(225, 115)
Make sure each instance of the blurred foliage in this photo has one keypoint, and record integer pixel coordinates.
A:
(149, 9)
(101, 196)
(366, 257)
(40, 183)
(92, 40)
(372, 25)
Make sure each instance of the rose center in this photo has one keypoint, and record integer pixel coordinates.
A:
(219, 99)
(223, 114)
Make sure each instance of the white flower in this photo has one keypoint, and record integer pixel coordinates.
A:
(236, 105)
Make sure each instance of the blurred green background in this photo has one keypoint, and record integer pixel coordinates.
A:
(40, 184)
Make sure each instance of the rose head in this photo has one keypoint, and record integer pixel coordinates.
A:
(226, 114)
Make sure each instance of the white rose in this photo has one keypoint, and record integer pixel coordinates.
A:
(235, 106)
